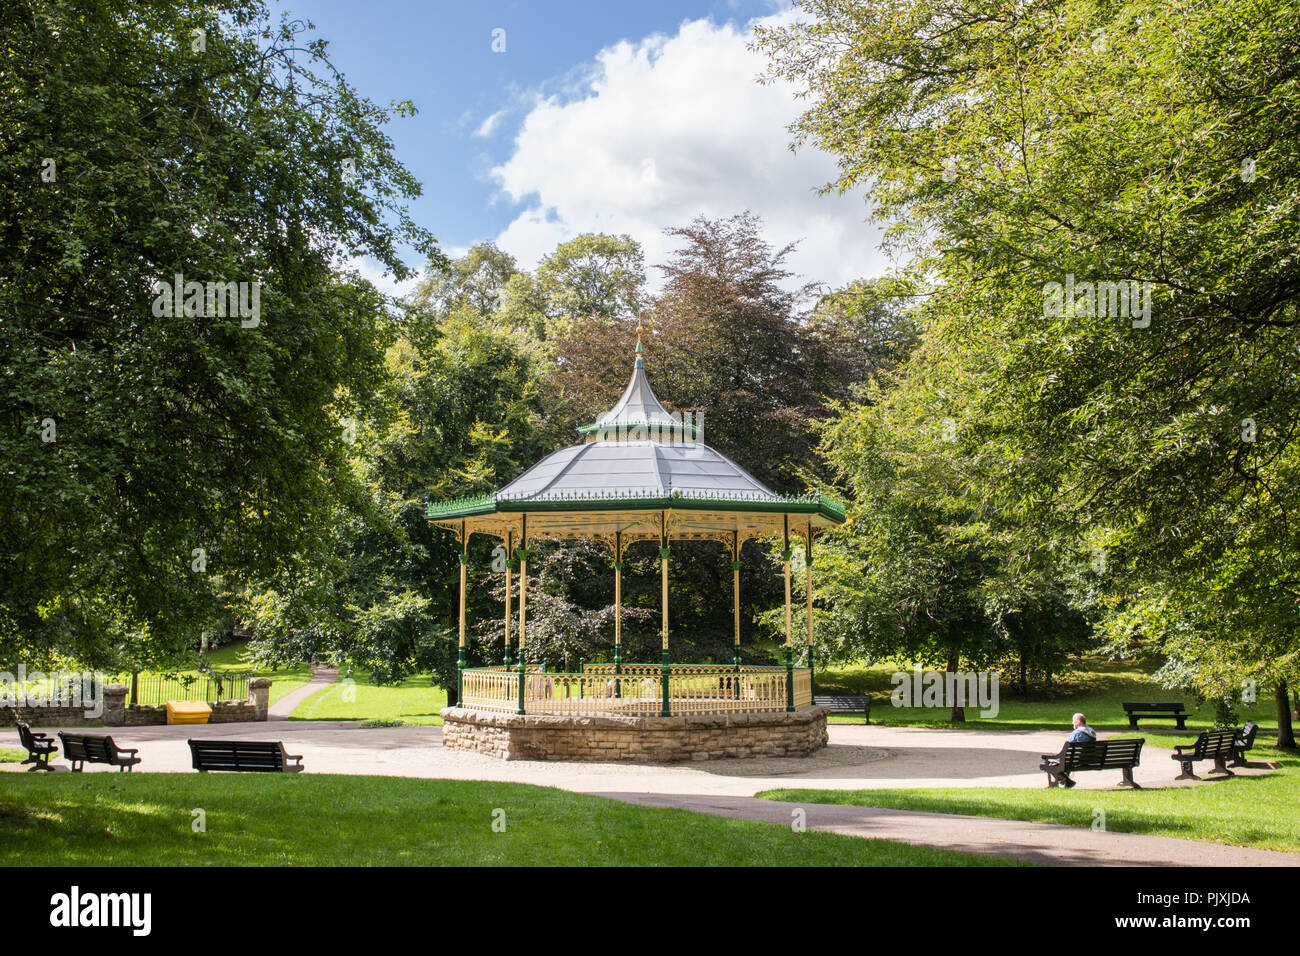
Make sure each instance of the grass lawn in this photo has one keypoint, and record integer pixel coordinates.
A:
(12, 756)
(1244, 811)
(316, 819)
(1097, 688)
(414, 701)
(233, 658)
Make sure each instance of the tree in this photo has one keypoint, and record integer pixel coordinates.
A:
(156, 458)
(1112, 327)
(476, 281)
(727, 340)
(592, 276)
(458, 416)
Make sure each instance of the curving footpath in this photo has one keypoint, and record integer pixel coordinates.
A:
(321, 677)
(859, 757)
(1041, 843)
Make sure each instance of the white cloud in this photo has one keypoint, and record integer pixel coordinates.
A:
(489, 125)
(382, 280)
(668, 128)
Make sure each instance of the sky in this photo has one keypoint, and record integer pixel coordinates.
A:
(610, 116)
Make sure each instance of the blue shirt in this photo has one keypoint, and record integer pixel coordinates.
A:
(1082, 735)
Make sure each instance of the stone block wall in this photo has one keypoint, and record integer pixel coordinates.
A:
(648, 739)
(117, 713)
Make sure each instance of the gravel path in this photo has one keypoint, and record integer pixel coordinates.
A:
(858, 757)
(320, 677)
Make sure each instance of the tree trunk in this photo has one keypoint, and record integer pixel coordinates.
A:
(1024, 677)
(958, 713)
(1285, 733)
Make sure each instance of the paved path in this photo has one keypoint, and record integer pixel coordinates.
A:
(859, 757)
(1042, 843)
(320, 677)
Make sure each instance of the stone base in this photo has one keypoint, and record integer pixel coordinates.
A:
(649, 739)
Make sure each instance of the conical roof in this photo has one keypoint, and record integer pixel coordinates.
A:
(638, 406)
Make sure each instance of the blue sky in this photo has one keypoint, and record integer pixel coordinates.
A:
(617, 117)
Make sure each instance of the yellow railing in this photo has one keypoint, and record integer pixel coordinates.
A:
(636, 690)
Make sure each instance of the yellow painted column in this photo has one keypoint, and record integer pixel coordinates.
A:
(789, 623)
(665, 672)
(618, 610)
(460, 646)
(508, 559)
(523, 602)
(663, 576)
(808, 589)
(789, 614)
(735, 603)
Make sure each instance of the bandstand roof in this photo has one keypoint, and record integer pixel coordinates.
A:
(641, 474)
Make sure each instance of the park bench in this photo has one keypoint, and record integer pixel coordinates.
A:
(260, 756)
(40, 747)
(1162, 709)
(846, 704)
(1216, 745)
(81, 749)
(1121, 755)
(1245, 741)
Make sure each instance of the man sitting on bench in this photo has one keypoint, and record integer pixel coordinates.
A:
(1082, 734)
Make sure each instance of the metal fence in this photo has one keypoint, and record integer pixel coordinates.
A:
(209, 688)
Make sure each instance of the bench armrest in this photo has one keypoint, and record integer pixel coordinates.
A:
(289, 756)
(128, 750)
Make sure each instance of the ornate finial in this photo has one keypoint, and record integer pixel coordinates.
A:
(639, 330)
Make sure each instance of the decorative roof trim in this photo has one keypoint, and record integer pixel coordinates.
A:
(646, 500)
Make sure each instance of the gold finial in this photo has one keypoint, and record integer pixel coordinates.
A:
(639, 330)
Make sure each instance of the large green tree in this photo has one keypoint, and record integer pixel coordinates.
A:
(153, 459)
(1023, 149)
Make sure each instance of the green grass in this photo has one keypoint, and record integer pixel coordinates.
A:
(413, 701)
(12, 756)
(1097, 688)
(234, 658)
(1243, 811)
(324, 820)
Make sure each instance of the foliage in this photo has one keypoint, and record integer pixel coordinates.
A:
(152, 465)
(1161, 441)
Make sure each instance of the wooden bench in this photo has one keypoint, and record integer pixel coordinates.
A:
(1121, 755)
(846, 704)
(1162, 709)
(39, 747)
(82, 749)
(1245, 741)
(1216, 745)
(258, 756)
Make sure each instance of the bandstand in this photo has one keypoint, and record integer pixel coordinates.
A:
(641, 474)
